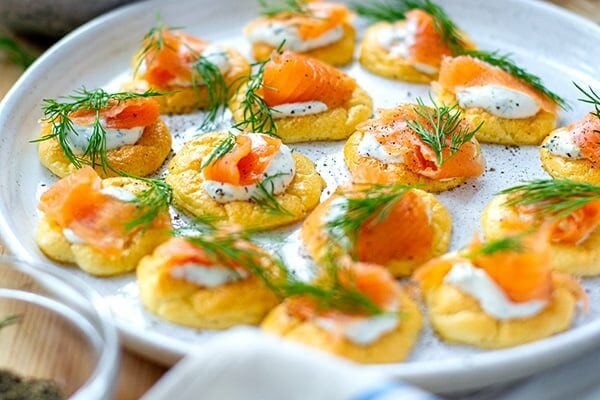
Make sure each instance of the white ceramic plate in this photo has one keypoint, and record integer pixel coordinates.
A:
(548, 41)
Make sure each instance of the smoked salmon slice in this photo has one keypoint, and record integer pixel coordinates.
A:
(429, 46)
(523, 275)
(393, 132)
(320, 18)
(571, 229)
(587, 136)
(393, 238)
(294, 78)
(243, 165)
(467, 71)
(75, 202)
(171, 60)
(140, 112)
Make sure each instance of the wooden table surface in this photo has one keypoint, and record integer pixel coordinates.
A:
(136, 375)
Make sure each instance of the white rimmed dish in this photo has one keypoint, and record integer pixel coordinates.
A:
(547, 40)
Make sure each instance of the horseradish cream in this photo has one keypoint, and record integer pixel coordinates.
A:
(478, 284)
(275, 32)
(498, 100)
(562, 143)
(282, 168)
(298, 109)
(361, 330)
(72, 236)
(370, 147)
(207, 276)
(118, 193)
(79, 138)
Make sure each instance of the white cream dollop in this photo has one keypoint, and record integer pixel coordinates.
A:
(275, 32)
(207, 276)
(370, 147)
(562, 143)
(72, 236)
(361, 330)
(398, 39)
(115, 138)
(282, 168)
(118, 193)
(498, 100)
(298, 109)
(477, 283)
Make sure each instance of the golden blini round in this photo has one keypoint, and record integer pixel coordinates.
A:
(338, 54)
(238, 303)
(391, 173)
(319, 244)
(141, 159)
(187, 99)
(581, 170)
(184, 176)
(393, 346)
(334, 124)
(458, 318)
(525, 131)
(53, 243)
(581, 260)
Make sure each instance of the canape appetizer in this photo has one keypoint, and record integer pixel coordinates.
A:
(103, 226)
(409, 39)
(433, 147)
(396, 226)
(318, 29)
(514, 105)
(193, 73)
(209, 280)
(361, 313)
(113, 132)
(300, 99)
(571, 211)
(573, 152)
(250, 179)
(499, 294)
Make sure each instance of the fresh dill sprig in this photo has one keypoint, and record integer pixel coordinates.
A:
(442, 122)
(555, 198)
(359, 206)
(332, 293)
(395, 10)
(224, 147)
(10, 320)
(16, 53)
(507, 244)
(58, 114)
(150, 203)
(266, 198)
(257, 116)
(272, 8)
(505, 62)
(217, 89)
(590, 97)
(229, 248)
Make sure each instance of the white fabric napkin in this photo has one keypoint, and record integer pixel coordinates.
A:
(246, 364)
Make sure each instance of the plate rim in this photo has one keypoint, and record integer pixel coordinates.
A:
(167, 351)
